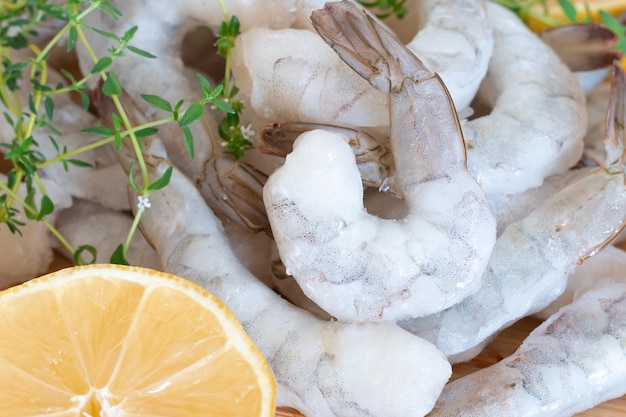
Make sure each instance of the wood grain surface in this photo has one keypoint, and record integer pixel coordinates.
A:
(504, 345)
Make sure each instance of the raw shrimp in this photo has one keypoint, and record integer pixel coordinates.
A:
(359, 267)
(531, 260)
(281, 80)
(322, 368)
(571, 362)
(287, 82)
(534, 129)
(538, 120)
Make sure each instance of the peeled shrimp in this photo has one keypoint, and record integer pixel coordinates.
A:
(509, 208)
(322, 368)
(571, 362)
(532, 258)
(534, 129)
(357, 266)
(538, 119)
(287, 82)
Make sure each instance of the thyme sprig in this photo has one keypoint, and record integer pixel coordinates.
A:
(385, 8)
(19, 22)
(236, 138)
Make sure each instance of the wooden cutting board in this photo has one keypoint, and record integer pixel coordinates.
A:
(504, 345)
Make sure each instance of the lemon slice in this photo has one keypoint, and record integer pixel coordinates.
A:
(108, 340)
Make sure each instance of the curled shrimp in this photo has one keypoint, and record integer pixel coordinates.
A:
(534, 127)
(357, 266)
(322, 368)
(538, 120)
(532, 258)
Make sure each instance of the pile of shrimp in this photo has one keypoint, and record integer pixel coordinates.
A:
(417, 186)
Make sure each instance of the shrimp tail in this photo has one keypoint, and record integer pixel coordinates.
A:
(583, 46)
(367, 47)
(615, 122)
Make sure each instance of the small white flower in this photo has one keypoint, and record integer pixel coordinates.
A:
(247, 132)
(143, 202)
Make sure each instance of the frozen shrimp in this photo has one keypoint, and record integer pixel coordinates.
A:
(322, 368)
(571, 362)
(354, 265)
(232, 189)
(538, 120)
(161, 27)
(287, 82)
(532, 258)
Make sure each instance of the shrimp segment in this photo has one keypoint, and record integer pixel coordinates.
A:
(533, 257)
(573, 361)
(357, 266)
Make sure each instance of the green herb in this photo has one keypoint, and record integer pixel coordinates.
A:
(385, 8)
(19, 21)
(236, 138)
